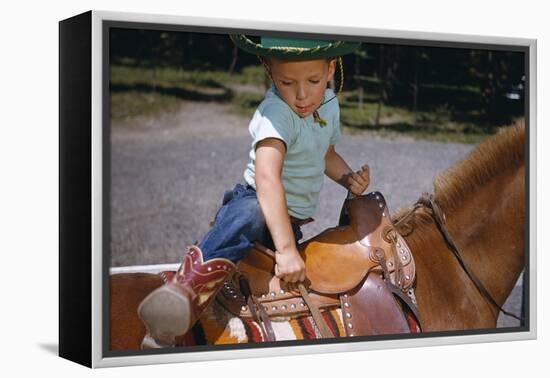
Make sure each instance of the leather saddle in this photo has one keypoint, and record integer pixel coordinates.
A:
(362, 266)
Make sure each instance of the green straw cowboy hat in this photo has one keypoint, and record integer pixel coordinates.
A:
(293, 48)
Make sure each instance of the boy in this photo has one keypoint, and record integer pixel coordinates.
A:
(294, 131)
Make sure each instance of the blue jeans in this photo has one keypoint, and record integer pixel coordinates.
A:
(237, 225)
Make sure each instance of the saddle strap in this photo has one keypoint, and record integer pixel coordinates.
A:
(257, 309)
(316, 314)
(398, 290)
(412, 306)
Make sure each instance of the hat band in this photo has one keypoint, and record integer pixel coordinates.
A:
(291, 48)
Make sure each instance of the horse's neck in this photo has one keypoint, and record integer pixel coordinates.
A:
(488, 229)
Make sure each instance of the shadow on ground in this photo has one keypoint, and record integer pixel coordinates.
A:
(51, 348)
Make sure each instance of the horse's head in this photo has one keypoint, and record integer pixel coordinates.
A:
(480, 201)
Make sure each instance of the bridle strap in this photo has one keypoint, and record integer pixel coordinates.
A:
(427, 200)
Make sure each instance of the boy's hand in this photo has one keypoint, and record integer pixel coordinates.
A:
(359, 181)
(290, 266)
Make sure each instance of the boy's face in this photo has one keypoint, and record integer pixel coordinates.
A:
(302, 84)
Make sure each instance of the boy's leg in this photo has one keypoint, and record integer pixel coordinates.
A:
(173, 309)
(238, 224)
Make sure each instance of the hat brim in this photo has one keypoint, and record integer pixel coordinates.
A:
(330, 50)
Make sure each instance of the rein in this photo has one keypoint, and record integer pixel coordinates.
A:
(428, 201)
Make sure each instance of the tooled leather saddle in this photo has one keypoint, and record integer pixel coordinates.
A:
(362, 266)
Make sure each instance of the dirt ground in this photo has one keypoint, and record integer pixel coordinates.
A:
(168, 176)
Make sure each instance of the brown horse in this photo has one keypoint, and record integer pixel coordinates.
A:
(483, 201)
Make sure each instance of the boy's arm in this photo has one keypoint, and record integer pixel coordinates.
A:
(271, 195)
(338, 170)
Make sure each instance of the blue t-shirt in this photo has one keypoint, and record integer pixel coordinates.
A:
(306, 145)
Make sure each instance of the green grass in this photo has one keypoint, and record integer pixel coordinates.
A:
(128, 105)
(245, 103)
(178, 77)
(149, 92)
(397, 121)
(365, 116)
(434, 136)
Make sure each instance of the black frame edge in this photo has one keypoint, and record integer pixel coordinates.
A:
(75, 172)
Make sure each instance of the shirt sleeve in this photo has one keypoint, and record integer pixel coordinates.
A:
(336, 131)
(273, 121)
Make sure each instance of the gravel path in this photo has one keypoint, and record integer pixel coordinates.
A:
(169, 175)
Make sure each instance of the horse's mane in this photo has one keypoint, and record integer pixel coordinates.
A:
(491, 157)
